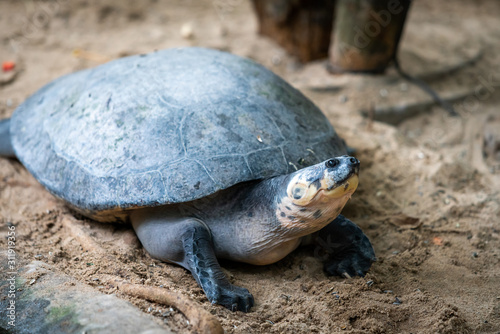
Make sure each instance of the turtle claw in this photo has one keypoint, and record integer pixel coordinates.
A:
(360, 273)
(231, 297)
(352, 264)
(350, 253)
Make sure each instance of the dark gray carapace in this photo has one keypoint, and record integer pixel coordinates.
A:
(166, 127)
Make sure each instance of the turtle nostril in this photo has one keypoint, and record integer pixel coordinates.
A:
(354, 161)
(332, 163)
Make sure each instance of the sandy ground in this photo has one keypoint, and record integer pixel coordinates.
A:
(429, 187)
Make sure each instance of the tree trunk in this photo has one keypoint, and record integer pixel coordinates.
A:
(302, 27)
(366, 34)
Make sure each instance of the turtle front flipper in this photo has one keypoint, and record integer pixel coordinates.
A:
(346, 249)
(201, 261)
(188, 242)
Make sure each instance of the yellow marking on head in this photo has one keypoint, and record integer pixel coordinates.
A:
(343, 189)
(328, 202)
(300, 191)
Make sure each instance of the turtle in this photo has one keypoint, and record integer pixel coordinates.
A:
(208, 155)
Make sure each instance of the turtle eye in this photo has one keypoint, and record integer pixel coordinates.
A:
(332, 163)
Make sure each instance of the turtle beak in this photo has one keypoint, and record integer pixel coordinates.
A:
(340, 169)
(340, 176)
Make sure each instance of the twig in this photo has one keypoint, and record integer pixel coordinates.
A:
(202, 321)
(76, 230)
(426, 88)
(89, 55)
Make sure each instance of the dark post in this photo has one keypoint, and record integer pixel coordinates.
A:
(302, 27)
(366, 34)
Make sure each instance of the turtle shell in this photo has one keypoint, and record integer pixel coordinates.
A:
(167, 127)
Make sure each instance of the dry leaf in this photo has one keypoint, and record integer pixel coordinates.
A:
(437, 241)
(405, 221)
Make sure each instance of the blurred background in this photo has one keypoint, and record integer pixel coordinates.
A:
(429, 185)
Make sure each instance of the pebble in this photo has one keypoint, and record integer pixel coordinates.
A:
(187, 31)
(383, 92)
(276, 60)
(343, 98)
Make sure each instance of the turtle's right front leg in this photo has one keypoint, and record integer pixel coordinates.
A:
(201, 261)
(187, 242)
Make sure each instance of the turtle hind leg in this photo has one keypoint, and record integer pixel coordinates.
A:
(346, 249)
(188, 242)
(6, 149)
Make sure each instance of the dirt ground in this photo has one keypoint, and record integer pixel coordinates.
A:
(429, 186)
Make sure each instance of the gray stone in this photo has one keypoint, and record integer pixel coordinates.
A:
(50, 302)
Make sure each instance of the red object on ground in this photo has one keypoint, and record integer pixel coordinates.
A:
(8, 66)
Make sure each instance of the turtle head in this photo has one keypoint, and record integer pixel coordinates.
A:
(325, 182)
(315, 195)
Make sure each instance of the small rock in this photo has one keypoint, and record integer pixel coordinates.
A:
(276, 60)
(187, 31)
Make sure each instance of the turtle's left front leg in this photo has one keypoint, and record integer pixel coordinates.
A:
(345, 249)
